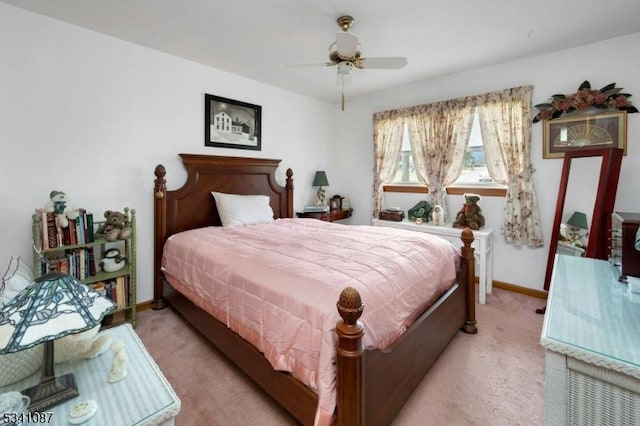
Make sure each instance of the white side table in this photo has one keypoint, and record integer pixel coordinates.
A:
(143, 398)
(482, 243)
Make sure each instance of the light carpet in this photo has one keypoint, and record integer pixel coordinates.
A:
(493, 378)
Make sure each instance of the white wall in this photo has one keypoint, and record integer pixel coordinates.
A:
(601, 63)
(93, 115)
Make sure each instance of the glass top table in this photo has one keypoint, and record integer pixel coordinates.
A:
(143, 397)
(592, 316)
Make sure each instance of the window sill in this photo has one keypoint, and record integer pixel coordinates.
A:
(416, 189)
(484, 190)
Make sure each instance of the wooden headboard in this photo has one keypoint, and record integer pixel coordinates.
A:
(192, 206)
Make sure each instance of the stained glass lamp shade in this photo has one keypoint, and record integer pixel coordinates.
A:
(53, 306)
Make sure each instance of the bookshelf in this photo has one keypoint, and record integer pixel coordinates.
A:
(79, 252)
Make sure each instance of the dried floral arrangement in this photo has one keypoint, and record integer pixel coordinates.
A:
(609, 97)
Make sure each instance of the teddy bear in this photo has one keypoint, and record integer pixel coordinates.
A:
(471, 214)
(85, 345)
(115, 227)
(58, 205)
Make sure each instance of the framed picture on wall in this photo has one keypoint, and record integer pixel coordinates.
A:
(231, 124)
(589, 131)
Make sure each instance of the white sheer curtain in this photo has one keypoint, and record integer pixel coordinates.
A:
(505, 120)
(439, 134)
(388, 127)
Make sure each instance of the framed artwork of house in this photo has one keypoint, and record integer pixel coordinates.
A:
(231, 124)
(579, 132)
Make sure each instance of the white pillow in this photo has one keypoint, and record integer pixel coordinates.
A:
(235, 210)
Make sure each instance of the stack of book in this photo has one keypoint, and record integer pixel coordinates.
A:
(116, 289)
(80, 231)
(316, 209)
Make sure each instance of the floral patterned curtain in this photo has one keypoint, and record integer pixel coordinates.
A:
(388, 127)
(439, 134)
(505, 121)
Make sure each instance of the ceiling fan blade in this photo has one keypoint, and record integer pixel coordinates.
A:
(382, 63)
(317, 64)
(346, 45)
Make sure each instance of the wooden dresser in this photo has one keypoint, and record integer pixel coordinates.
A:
(591, 335)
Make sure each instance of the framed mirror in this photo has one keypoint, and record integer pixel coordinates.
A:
(575, 182)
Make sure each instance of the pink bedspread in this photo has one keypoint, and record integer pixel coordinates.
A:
(277, 285)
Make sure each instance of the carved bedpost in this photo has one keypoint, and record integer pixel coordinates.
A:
(350, 360)
(470, 282)
(289, 186)
(159, 233)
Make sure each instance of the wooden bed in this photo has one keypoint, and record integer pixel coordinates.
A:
(372, 386)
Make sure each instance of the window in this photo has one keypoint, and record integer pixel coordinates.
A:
(406, 173)
(474, 168)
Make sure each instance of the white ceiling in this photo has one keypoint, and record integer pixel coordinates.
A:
(258, 38)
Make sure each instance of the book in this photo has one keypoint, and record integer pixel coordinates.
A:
(316, 209)
(90, 227)
(78, 233)
(82, 271)
(92, 262)
(52, 232)
(66, 235)
(121, 303)
(85, 228)
(72, 232)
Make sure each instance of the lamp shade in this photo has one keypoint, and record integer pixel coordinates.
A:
(578, 220)
(320, 179)
(53, 306)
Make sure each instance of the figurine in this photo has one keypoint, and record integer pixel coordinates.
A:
(437, 215)
(119, 362)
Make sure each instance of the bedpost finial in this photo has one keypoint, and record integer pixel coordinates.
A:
(160, 171)
(350, 305)
(467, 237)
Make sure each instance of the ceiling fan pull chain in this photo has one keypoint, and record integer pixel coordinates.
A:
(343, 93)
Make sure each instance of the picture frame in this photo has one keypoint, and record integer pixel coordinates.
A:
(587, 131)
(229, 123)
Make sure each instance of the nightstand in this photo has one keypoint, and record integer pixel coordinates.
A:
(330, 216)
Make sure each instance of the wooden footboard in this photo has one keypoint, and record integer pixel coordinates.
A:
(366, 395)
(372, 386)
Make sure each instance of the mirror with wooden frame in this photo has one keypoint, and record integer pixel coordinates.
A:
(605, 197)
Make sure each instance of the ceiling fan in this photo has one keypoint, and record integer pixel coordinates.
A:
(345, 56)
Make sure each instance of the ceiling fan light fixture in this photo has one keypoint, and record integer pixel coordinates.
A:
(345, 68)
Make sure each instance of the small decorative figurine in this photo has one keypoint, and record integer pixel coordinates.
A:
(437, 215)
(119, 362)
(421, 210)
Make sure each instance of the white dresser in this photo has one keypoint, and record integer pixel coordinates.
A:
(591, 335)
(482, 243)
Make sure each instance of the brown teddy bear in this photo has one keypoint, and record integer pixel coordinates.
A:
(471, 214)
(115, 227)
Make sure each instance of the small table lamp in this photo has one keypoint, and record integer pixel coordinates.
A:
(320, 180)
(53, 306)
(578, 221)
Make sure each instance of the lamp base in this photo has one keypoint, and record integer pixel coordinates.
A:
(51, 392)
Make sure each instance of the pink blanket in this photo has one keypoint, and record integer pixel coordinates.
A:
(277, 284)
